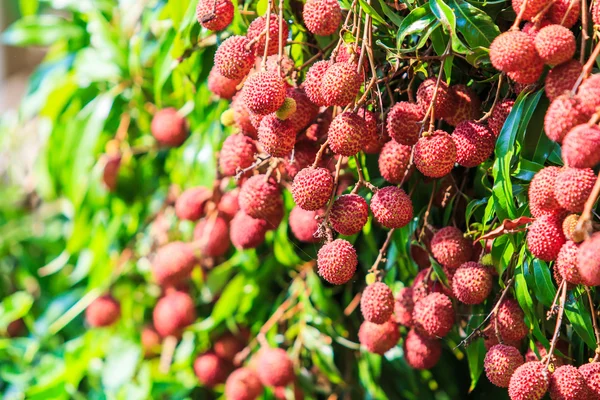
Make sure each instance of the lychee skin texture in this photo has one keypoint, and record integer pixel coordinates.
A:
(337, 261)
(306, 110)
(378, 338)
(312, 188)
(341, 84)
(377, 303)
(468, 105)
(211, 370)
(274, 367)
(529, 382)
(566, 383)
(394, 160)
(566, 263)
(347, 134)
(581, 147)
(104, 311)
(444, 100)
(261, 198)
(569, 225)
(374, 139)
(531, 9)
(304, 224)
(247, 232)
(214, 15)
(511, 321)
(243, 384)
(258, 26)
(322, 17)
(499, 115)
(450, 248)
(420, 351)
(238, 151)
(173, 263)
(241, 116)
(277, 137)
(591, 374)
(573, 187)
(435, 154)
(211, 235)
(434, 315)
(474, 143)
(392, 207)
(559, 9)
(402, 122)
(314, 80)
(527, 76)
(173, 313)
(588, 261)
(233, 58)
(589, 92)
(221, 86)
(562, 78)
(304, 156)
(563, 114)
(349, 214)
(596, 13)
(190, 204)
(500, 363)
(513, 51)
(264, 92)
(169, 128)
(403, 307)
(545, 237)
(472, 283)
(541, 191)
(555, 44)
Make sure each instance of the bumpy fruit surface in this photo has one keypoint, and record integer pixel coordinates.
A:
(392, 207)
(211, 235)
(558, 13)
(566, 263)
(420, 351)
(304, 156)
(513, 51)
(511, 321)
(562, 78)
(235, 57)
(467, 107)
(173, 263)
(434, 315)
(190, 203)
(541, 192)
(532, 7)
(573, 187)
(567, 383)
(277, 137)
(169, 128)
(312, 188)
(221, 86)
(304, 224)
(261, 198)
(211, 370)
(375, 139)
(500, 363)
(322, 17)
(529, 382)
(472, 283)
(314, 80)
(104, 311)
(565, 113)
(588, 261)
(259, 25)
(377, 303)
(347, 134)
(247, 232)
(264, 92)
(499, 115)
(545, 237)
(402, 122)
(474, 143)
(214, 15)
(589, 92)
(243, 384)
(241, 116)
(173, 313)
(341, 83)
(378, 338)
(569, 225)
(337, 261)
(581, 147)
(591, 374)
(393, 161)
(450, 248)
(403, 307)
(527, 76)
(306, 110)
(274, 367)
(238, 151)
(349, 214)
(435, 154)
(444, 99)
(555, 44)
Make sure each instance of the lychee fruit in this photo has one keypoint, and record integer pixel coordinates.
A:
(110, 173)
(589, 92)
(403, 307)
(511, 321)
(378, 338)
(402, 122)
(305, 153)
(211, 370)
(450, 248)
(340, 84)
(532, 8)
(467, 107)
(394, 160)
(235, 57)
(261, 198)
(258, 28)
(474, 142)
(581, 146)
(588, 261)
(228, 345)
(169, 128)
(500, 363)
(306, 110)
(529, 75)
(529, 382)
(564, 113)
(214, 15)
(104, 311)
(591, 374)
(545, 237)
(569, 225)
(472, 283)
(150, 340)
(264, 92)
(541, 192)
(392, 207)
(173, 263)
(435, 154)
(219, 85)
(277, 137)
(337, 261)
(173, 313)
(373, 141)
(190, 204)
(555, 44)
(241, 116)
(304, 224)
(566, 383)
(499, 114)
(566, 263)
(349, 214)
(434, 315)
(283, 393)
(274, 367)
(243, 384)
(238, 151)
(313, 81)
(444, 99)
(347, 134)
(420, 351)
(312, 188)
(562, 78)
(211, 236)
(322, 17)
(228, 205)
(377, 303)
(558, 12)
(573, 187)
(247, 232)
(513, 51)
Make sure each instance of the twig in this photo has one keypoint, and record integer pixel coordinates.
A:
(320, 153)
(584, 30)
(489, 113)
(561, 311)
(515, 25)
(382, 251)
(361, 178)
(260, 161)
(587, 68)
(426, 215)
(583, 228)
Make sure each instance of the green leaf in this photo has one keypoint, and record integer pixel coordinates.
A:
(371, 11)
(13, 307)
(416, 22)
(475, 25)
(41, 31)
(577, 312)
(543, 280)
(395, 18)
(444, 14)
(475, 355)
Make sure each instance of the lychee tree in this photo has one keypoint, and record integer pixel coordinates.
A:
(287, 199)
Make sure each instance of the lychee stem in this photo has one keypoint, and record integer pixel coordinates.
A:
(564, 18)
(263, 63)
(584, 225)
(260, 161)
(561, 310)
(587, 68)
(320, 154)
(496, 97)
(515, 25)
(281, 39)
(382, 251)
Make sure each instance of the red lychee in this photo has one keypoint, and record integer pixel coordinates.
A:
(513, 51)
(306, 110)
(347, 134)
(314, 81)
(228, 205)
(468, 105)
(261, 198)
(378, 338)
(562, 78)
(340, 84)
(150, 340)
(591, 374)
(173, 263)
(169, 128)
(532, 8)
(435, 154)
(474, 142)
(566, 263)
(500, 363)
(243, 384)
(566, 383)
(247, 232)
(444, 99)
(511, 321)
(541, 192)
(529, 75)
(450, 248)
(190, 204)
(558, 12)
(581, 146)
(211, 370)
(349, 214)
(221, 86)
(304, 224)
(274, 367)
(403, 307)
(377, 303)
(589, 92)
(393, 161)
(588, 261)
(264, 92)
(214, 15)
(241, 116)
(472, 283)
(555, 44)
(499, 115)
(256, 28)
(173, 313)
(211, 236)
(529, 382)
(312, 188)
(402, 122)
(235, 57)
(392, 207)
(322, 17)
(104, 311)
(337, 261)
(573, 187)
(434, 315)
(420, 351)
(565, 113)
(238, 151)
(545, 237)
(277, 137)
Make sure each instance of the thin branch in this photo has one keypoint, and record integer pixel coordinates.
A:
(382, 251)
(583, 228)
(561, 311)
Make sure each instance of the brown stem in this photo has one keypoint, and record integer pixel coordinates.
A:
(281, 38)
(489, 113)
(353, 304)
(325, 222)
(382, 251)
(584, 30)
(587, 68)
(263, 63)
(166, 355)
(430, 114)
(426, 215)
(260, 161)
(583, 229)
(361, 178)
(515, 25)
(561, 311)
